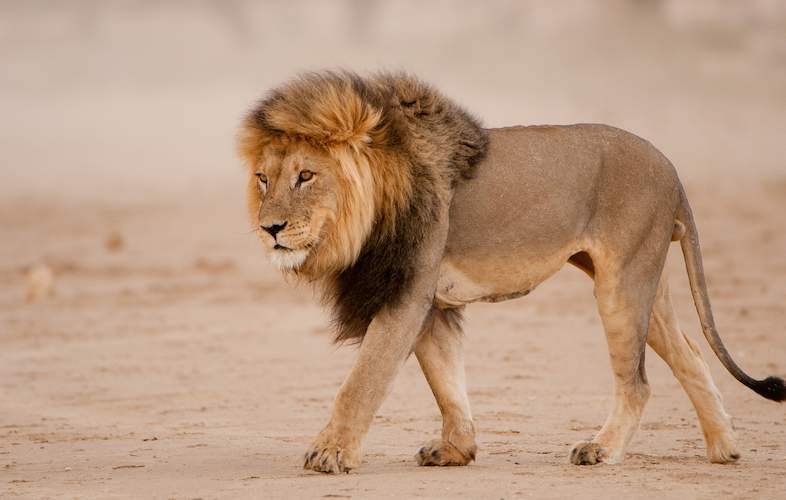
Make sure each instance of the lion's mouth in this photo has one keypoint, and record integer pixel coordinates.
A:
(306, 247)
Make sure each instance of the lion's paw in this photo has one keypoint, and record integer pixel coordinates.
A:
(331, 458)
(439, 452)
(587, 453)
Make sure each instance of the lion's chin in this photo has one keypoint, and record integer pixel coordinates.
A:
(287, 260)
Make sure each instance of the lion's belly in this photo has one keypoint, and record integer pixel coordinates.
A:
(522, 216)
(498, 278)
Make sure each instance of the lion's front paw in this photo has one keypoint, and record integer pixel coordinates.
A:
(439, 452)
(327, 455)
(587, 453)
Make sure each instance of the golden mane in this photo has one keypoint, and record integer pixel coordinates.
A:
(399, 145)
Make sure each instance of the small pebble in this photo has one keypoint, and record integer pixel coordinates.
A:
(114, 242)
(40, 283)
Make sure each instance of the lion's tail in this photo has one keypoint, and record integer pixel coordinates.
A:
(771, 387)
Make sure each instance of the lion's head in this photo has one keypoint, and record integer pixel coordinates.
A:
(312, 206)
(346, 175)
(312, 192)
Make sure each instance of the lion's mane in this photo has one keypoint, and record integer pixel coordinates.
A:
(401, 147)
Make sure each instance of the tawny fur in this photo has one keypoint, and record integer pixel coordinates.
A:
(405, 210)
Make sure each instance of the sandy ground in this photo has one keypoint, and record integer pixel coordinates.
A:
(181, 366)
(172, 362)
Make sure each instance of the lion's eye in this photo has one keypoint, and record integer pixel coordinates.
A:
(305, 176)
(261, 177)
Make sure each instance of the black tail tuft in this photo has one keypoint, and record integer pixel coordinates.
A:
(771, 388)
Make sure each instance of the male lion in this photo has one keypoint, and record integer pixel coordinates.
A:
(405, 209)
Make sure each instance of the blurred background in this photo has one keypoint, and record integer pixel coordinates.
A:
(126, 100)
(143, 334)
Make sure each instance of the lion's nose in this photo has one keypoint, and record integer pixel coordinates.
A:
(273, 229)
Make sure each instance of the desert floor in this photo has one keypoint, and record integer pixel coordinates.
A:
(175, 363)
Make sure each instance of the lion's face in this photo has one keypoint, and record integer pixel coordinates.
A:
(293, 202)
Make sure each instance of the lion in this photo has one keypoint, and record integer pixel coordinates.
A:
(404, 209)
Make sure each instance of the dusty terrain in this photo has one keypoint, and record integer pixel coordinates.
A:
(182, 366)
(172, 362)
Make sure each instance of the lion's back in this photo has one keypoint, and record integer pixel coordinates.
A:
(540, 185)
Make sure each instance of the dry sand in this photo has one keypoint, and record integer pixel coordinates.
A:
(171, 361)
(182, 366)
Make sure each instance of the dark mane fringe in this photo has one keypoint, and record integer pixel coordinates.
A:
(405, 123)
(440, 143)
(386, 264)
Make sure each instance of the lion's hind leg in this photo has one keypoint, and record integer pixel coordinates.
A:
(441, 356)
(686, 362)
(625, 293)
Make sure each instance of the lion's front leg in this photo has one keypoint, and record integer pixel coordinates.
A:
(385, 347)
(390, 339)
